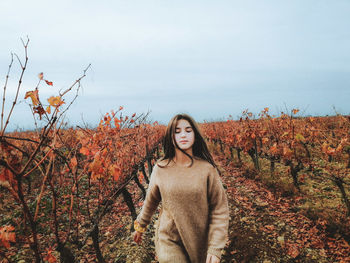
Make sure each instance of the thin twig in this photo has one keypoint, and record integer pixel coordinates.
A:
(75, 97)
(77, 81)
(38, 146)
(3, 96)
(19, 85)
(47, 154)
(19, 61)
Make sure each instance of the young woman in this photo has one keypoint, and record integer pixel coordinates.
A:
(193, 221)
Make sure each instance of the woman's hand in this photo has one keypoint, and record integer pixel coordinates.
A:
(138, 237)
(212, 259)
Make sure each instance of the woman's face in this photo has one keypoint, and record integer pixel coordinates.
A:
(184, 134)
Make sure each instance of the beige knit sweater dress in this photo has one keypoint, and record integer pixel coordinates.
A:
(194, 217)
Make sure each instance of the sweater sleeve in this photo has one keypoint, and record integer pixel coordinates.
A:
(218, 214)
(152, 200)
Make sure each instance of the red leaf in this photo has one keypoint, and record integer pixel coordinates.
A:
(49, 82)
(84, 151)
(116, 173)
(40, 110)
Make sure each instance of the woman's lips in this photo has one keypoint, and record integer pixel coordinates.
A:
(183, 141)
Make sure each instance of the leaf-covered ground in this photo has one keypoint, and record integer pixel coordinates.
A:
(267, 228)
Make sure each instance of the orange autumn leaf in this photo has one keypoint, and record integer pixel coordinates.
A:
(287, 152)
(48, 109)
(96, 166)
(7, 235)
(330, 151)
(270, 227)
(55, 101)
(41, 75)
(324, 147)
(116, 172)
(49, 257)
(116, 123)
(34, 95)
(49, 82)
(73, 162)
(95, 176)
(293, 251)
(84, 151)
(141, 177)
(295, 111)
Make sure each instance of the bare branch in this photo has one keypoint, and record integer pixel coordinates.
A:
(75, 97)
(3, 96)
(18, 87)
(77, 81)
(35, 123)
(19, 60)
(47, 154)
(46, 130)
(19, 139)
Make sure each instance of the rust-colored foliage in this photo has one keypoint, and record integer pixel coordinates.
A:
(7, 235)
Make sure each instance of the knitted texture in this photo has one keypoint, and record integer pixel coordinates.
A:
(194, 217)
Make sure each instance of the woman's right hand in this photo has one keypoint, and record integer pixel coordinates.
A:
(138, 237)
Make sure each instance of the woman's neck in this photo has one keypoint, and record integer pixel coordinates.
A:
(181, 158)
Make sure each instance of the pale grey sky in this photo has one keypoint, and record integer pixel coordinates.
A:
(206, 58)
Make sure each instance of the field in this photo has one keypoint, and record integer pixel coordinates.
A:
(71, 195)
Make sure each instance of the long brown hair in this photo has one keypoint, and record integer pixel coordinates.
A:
(199, 147)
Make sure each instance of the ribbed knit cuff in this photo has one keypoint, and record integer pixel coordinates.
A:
(214, 251)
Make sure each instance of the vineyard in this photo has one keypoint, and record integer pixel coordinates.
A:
(71, 195)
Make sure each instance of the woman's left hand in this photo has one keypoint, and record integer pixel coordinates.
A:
(212, 259)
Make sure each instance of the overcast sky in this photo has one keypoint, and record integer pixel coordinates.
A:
(210, 59)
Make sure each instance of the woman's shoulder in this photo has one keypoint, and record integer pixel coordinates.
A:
(162, 162)
(204, 163)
